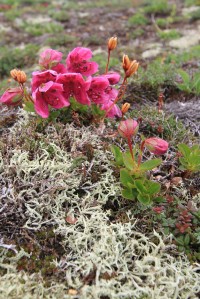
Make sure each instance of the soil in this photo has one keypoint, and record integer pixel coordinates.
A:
(90, 24)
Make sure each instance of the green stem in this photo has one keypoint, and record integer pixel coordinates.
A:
(130, 147)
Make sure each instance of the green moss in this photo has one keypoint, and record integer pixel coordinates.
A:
(191, 2)
(37, 29)
(156, 74)
(161, 22)
(101, 59)
(192, 54)
(137, 32)
(169, 34)
(60, 15)
(137, 19)
(16, 58)
(62, 40)
(154, 123)
(154, 6)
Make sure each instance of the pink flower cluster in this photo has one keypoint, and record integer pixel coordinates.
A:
(56, 82)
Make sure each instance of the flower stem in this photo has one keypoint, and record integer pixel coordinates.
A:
(141, 152)
(108, 61)
(130, 147)
(120, 94)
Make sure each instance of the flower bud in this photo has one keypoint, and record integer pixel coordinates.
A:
(133, 67)
(125, 108)
(128, 128)
(12, 96)
(125, 62)
(18, 76)
(112, 43)
(156, 146)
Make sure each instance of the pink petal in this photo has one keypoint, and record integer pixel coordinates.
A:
(113, 78)
(41, 107)
(74, 85)
(42, 77)
(77, 62)
(50, 58)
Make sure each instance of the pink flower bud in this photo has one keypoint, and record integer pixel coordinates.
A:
(156, 146)
(128, 128)
(12, 96)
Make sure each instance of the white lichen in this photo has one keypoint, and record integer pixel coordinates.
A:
(53, 184)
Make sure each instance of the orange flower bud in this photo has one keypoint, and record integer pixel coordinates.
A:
(18, 76)
(125, 108)
(133, 67)
(112, 43)
(126, 62)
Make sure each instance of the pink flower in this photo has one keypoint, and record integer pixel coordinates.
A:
(114, 111)
(49, 58)
(113, 78)
(98, 90)
(60, 68)
(49, 93)
(39, 78)
(12, 96)
(75, 86)
(128, 128)
(77, 62)
(156, 145)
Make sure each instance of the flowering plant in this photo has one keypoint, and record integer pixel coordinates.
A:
(133, 173)
(57, 85)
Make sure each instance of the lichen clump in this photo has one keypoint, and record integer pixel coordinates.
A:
(49, 186)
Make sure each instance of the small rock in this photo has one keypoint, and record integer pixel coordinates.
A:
(151, 53)
(190, 38)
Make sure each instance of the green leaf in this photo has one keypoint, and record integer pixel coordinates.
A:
(129, 193)
(144, 199)
(184, 149)
(185, 76)
(180, 240)
(128, 161)
(29, 106)
(158, 199)
(148, 165)
(117, 154)
(139, 184)
(187, 239)
(97, 111)
(125, 178)
(153, 187)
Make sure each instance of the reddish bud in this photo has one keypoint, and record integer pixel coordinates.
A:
(133, 67)
(112, 43)
(158, 210)
(156, 146)
(125, 107)
(126, 62)
(18, 76)
(128, 128)
(12, 96)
